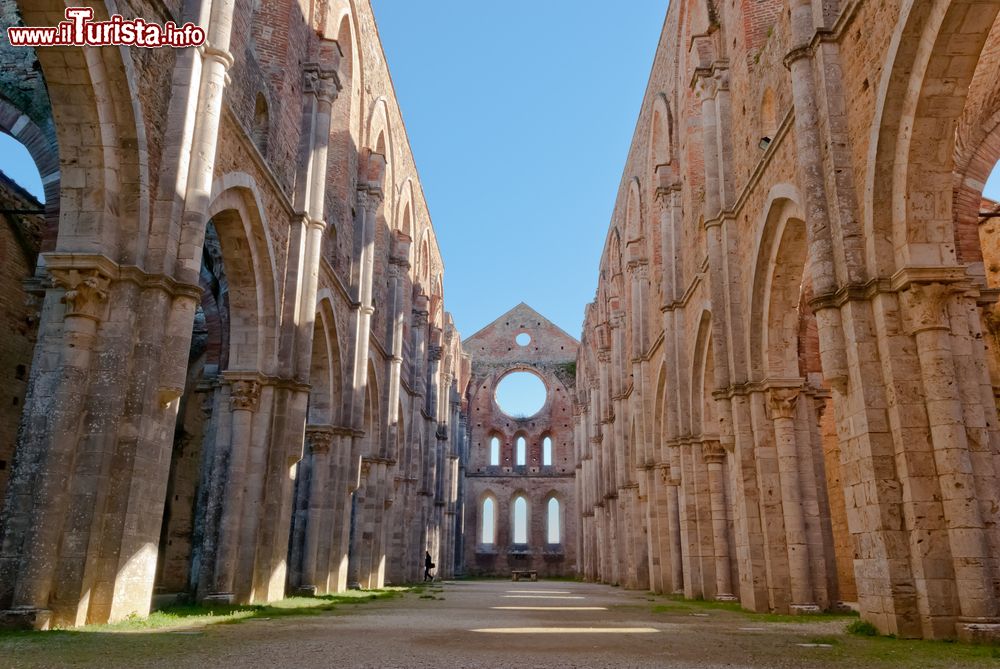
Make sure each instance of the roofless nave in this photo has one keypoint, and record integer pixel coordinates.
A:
(231, 375)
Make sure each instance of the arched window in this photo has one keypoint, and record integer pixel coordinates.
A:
(488, 516)
(553, 522)
(520, 520)
(494, 452)
(547, 452)
(522, 452)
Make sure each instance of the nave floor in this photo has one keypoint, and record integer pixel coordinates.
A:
(492, 624)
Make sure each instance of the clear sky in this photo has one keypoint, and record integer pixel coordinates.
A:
(17, 164)
(520, 115)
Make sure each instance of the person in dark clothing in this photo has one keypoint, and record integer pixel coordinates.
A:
(428, 565)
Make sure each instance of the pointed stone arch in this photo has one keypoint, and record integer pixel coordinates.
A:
(240, 222)
(907, 212)
(98, 120)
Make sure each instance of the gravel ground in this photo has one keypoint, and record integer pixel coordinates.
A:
(457, 625)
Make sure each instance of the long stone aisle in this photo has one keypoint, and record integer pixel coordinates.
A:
(484, 624)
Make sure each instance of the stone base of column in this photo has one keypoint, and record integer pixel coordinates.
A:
(25, 619)
(726, 597)
(220, 599)
(305, 591)
(804, 609)
(984, 632)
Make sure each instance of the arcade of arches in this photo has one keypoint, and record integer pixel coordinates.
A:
(228, 373)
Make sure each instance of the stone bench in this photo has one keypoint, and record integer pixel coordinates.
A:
(517, 574)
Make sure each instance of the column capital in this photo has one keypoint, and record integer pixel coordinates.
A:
(706, 87)
(713, 452)
(244, 394)
(319, 438)
(86, 289)
(721, 77)
(926, 306)
(321, 82)
(781, 402)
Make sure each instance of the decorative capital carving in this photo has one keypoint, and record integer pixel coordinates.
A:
(366, 468)
(319, 440)
(664, 475)
(434, 353)
(706, 88)
(86, 291)
(322, 83)
(244, 395)
(639, 269)
(420, 319)
(713, 452)
(781, 402)
(721, 78)
(926, 306)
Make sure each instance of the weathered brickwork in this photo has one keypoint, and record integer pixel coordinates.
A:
(786, 383)
(20, 239)
(549, 353)
(245, 382)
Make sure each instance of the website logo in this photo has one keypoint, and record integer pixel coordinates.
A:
(79, 29)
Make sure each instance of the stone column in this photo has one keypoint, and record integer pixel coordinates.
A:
(345, 486)
(927, 310)
(321, 87)
(244, 396)
(674, 522)
(319, 441)
(781, 403)
(715, 458)
(399, 267)
(84, 294)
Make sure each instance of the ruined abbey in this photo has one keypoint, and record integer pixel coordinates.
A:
(228, 373)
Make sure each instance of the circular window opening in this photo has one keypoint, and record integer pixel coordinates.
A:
(523, 339)
(521, 394)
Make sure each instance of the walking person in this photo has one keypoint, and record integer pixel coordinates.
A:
(428, 565)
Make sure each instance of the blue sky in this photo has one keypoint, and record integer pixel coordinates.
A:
(520, 115)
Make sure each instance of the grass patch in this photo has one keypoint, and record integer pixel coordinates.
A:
(884, 651)
(183, 616)
(861, 628)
